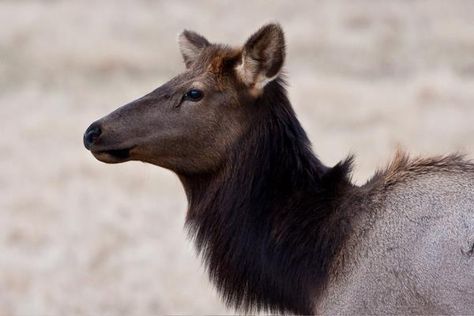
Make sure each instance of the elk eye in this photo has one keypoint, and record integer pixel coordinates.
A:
(193, 95)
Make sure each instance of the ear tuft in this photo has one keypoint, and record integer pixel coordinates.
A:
(191, 45)
(263, 56)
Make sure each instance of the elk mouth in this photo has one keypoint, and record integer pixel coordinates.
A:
(113, 155)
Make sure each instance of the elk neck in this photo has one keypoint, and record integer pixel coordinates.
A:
(271, 222)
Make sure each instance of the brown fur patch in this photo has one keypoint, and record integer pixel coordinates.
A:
(218, 62)
(219, 66)
(403, 168)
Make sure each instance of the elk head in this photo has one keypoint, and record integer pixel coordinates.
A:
(190, 123)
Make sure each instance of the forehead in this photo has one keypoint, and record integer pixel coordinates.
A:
(214, 68)
(216, 64)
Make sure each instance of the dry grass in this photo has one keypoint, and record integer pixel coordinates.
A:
(78, 237)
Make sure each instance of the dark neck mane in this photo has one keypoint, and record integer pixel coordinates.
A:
(270, 224)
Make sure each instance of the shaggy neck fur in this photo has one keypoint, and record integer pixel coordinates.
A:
(271, 222)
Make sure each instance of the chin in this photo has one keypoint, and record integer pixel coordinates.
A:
(113, 156)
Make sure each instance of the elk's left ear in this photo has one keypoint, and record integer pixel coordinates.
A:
(191, 45)
(262, 57)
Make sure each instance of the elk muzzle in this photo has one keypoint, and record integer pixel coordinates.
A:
(93, 142)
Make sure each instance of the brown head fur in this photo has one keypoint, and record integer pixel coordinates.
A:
(171, 128)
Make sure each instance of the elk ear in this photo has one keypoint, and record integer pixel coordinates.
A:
(262, 57)
(191, 45)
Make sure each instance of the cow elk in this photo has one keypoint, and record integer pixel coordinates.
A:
(278, 230)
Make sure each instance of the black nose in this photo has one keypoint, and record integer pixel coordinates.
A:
(91, 135)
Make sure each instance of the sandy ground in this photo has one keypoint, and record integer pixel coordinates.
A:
(78, 237)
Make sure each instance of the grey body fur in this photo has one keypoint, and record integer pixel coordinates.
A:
(412, 252)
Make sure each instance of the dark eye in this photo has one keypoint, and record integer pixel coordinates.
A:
(193, 95)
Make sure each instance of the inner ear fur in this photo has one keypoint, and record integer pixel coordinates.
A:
(263, 56)
(191, 45)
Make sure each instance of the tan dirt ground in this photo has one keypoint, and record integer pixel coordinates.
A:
(78, 237)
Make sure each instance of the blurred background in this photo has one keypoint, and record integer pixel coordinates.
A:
(78, 237)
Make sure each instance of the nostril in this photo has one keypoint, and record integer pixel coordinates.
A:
(91, 135)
